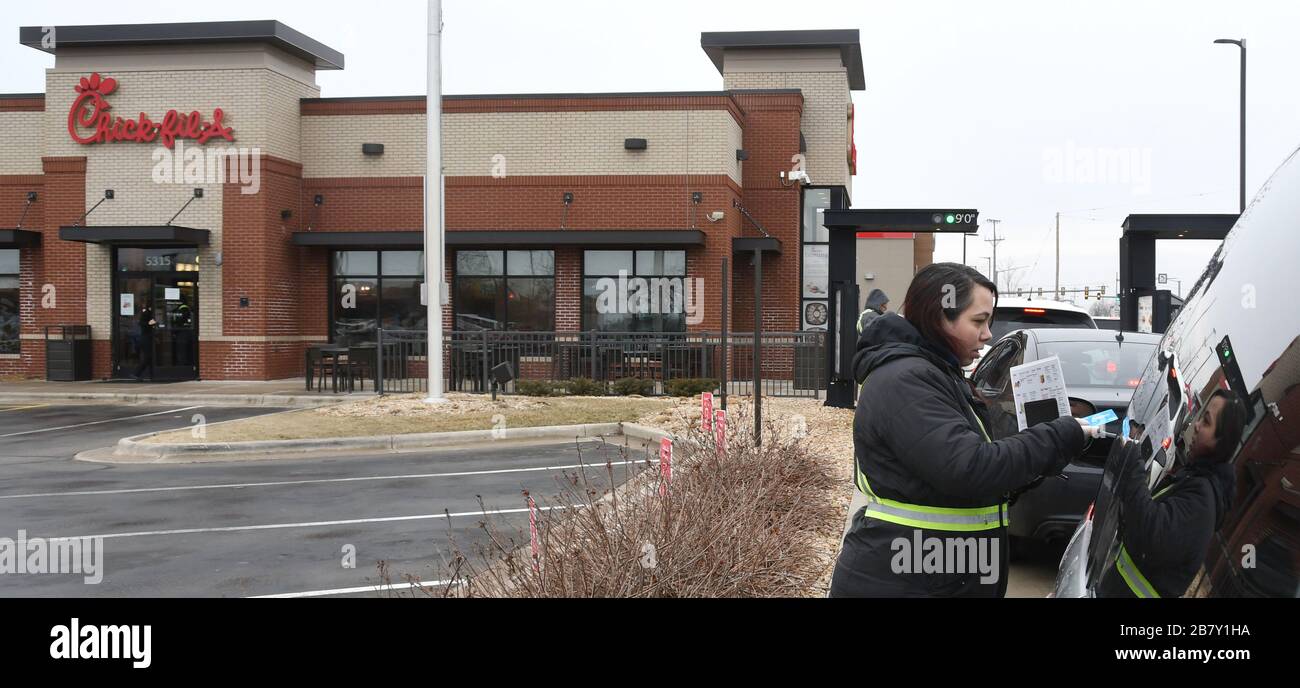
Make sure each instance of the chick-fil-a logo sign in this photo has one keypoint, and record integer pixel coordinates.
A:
(90, 111)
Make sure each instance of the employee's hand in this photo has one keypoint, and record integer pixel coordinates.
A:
(1093, 431)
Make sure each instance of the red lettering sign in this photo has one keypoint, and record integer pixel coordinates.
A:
(90, 112)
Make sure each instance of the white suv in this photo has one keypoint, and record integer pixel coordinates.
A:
(1026, 314)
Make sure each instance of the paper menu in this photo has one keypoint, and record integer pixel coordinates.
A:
(1039, 391)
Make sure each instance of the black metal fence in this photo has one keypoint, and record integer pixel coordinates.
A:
(793, 363)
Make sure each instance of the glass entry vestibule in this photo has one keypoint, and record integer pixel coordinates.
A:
(156, 313)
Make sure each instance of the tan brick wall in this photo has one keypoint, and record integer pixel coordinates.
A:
(533, 143)
(825, 117)
(20, 142)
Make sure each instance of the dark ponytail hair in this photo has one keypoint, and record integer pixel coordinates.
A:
(939, 285)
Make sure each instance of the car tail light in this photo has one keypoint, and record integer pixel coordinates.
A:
(1091, 507)
(1165, 444)
(1111, 367)
(1134, 382)
(1036, 311)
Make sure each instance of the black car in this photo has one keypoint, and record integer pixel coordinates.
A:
(1101, 369)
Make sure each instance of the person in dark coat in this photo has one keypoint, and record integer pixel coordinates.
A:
(877, 305)
(935, 519)
(147, 323)
(1165, 534)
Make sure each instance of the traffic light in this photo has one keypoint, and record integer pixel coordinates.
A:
(1085, 293)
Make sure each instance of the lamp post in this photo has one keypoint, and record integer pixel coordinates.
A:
(1241, 44)
(433, 240)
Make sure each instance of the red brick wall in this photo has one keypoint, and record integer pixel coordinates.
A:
(13, 199)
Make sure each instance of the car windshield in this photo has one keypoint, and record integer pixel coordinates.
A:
(1100, 364)
(1007, 319)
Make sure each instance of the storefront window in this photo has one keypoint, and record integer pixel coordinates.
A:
(634, 291)
(374, 289)
(505, 290)
(9, 324)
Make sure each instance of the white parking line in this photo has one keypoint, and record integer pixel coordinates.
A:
(98, 422)
(350, 591)
(279, 483)
(310, 524)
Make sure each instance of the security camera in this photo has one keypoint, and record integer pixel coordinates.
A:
(716, 216)
(800, 176)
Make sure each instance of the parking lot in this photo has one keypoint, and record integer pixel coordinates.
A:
(252, 528)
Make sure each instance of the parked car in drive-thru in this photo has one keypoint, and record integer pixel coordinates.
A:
(1014, 313)
(1101, 369)
(1239, 331)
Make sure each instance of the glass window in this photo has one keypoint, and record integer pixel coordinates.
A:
(661, 263)
(530, 262)
(650, 299)
(9, 261)
(1100, 364)
(608, 262)
(815, 203)
(479, 303)
(530, 304)
(400, 307)
(364, 263)
(1007, 319)
(505, 290)
(157, 260)
(403, 263)
(479, 263)
(355, 307)
(374, 289)
(9, 321)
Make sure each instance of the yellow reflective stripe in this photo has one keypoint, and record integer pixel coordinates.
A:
(1138, 583)
(928, 525)
(981, 424)
(950, 511)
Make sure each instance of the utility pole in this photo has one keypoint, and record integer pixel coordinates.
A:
(1058, 256)
(995, 241)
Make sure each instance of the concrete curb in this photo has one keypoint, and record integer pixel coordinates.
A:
(644, 433)
(266, 400)
(134, 450)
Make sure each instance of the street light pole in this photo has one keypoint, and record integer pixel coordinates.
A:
(1241, 44)
(433, 188)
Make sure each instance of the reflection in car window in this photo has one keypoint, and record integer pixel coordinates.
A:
(1100, 364)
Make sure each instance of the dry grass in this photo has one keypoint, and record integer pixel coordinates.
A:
(399, 415)
(752, 522)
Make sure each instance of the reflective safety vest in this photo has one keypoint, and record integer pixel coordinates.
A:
(933, 517)
(1128, 570)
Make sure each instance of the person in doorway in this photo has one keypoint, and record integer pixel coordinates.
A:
(877, 305)
(929, 471)
(1164, 534)
(147, 323)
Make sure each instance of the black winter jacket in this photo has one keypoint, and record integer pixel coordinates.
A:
(917, 440)
(1168, 536)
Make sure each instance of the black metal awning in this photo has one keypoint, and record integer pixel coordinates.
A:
(750, 244)
(1180, 225)
(19, 238)
(539, 238)
(166, 235)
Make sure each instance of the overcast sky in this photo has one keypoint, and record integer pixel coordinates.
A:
(1007, 107)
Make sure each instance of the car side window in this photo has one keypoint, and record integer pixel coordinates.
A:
(995, 375)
